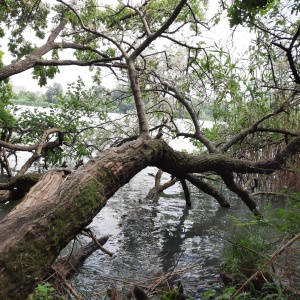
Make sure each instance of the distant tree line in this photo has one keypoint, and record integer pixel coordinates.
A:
(39, 99)
(122, 99)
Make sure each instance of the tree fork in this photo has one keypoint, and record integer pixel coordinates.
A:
(158, 188)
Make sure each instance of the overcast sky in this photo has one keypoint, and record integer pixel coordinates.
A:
(70, 74)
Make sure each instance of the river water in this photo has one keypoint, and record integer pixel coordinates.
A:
(150, 238)
(153, 237)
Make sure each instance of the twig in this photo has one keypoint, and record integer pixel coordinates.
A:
(67, 285)
(94, 238)
(142, 283)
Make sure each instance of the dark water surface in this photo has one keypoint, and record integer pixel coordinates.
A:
(153, 237)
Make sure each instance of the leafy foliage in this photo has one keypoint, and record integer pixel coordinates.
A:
(44, 291)
(252, 244)
(246, 11)
(18, 16)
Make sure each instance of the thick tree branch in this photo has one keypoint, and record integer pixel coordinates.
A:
(197, 135)
(30, 148)
(207, 189)
(228, 179)
(38, 152)
(35, 156)
(81, 63)
(138, 99)
(67, 203)
(186, 191)
(34, 57)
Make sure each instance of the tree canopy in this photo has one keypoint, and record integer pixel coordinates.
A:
(166, 67)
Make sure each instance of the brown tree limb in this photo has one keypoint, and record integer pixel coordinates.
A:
(38, 151)
(30, 60)
(197, 135)
(94, 238)
(35, 156)
(69, 264)
(61, 285)
(186, 191)
(81, 63)
(207, 189)
(28, 148)
(153, 36)
(158, 188)
(228, 179)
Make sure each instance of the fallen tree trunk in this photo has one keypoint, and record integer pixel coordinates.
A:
(62, 204)
(58, 208)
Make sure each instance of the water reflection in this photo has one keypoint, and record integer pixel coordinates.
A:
(154, 237)
(7, 207)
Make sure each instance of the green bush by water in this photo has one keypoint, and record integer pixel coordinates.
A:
(251, 244)
(43, 291)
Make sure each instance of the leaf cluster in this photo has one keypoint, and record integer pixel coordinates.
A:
(16, 17)
(245, 11)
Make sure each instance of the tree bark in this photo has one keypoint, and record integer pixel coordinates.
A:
(62, 204)
(186, 191)
(207, 189)
(57, 208)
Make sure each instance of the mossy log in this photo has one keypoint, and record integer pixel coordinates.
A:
(58, 208)
(62, 204)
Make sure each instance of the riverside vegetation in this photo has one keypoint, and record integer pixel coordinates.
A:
(166, 64)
